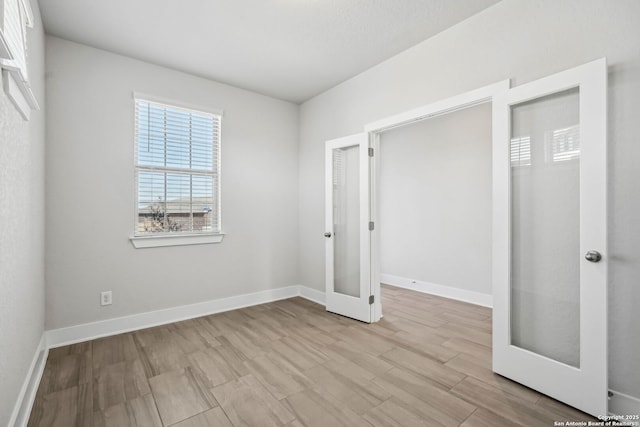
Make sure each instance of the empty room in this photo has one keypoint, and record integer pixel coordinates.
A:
(319, 213)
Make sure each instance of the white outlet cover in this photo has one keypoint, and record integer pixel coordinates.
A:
(106, 298)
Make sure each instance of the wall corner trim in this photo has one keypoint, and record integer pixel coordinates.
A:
(485, 300)
(622, 404)
(22, 408)
(313, 295)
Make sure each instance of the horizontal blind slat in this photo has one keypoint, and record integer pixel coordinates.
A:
(161, 122)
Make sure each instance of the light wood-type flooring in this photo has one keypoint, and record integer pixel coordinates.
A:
(291, 363)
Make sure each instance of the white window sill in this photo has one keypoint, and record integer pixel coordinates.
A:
(141, 242)
(18, 91)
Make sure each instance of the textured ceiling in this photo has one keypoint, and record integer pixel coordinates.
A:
(288, 49)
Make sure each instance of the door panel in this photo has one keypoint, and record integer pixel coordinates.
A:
(346, 227)
(550, 303)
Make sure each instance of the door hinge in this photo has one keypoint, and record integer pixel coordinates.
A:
(371, 225)
(371, 299)
(370, 151)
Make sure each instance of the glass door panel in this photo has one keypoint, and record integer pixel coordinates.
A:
(545, 226)
(346, 220)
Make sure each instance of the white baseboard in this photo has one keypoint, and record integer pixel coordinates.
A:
(472, 297)
(104, 328)
(22, 408)
(313, 295)
(623, 404)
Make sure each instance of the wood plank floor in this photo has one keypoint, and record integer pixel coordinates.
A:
(290, 363)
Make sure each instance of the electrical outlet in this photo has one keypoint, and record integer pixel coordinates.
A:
(106, 298)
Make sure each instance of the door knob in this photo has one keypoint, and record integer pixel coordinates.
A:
(327, 234)
(593, 256)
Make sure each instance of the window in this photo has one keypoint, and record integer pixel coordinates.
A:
(15, 17)
(177, 156)
(14, 35)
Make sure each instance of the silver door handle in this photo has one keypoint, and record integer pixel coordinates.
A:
(327, 234)
(593, 256)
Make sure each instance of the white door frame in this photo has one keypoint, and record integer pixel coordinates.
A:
(374, 129)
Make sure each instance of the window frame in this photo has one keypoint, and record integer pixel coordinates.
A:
(15, 76)
(186, 237)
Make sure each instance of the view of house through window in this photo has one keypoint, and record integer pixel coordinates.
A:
(177, 163)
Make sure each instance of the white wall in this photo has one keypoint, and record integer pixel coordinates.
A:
(21, 230)
(434, 200)
(523, 40)
(90, 191)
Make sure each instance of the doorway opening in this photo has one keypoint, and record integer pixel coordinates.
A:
(474, 103)
(434, 205)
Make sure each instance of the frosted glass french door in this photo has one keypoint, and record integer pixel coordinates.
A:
(346, 227)
(550, 244)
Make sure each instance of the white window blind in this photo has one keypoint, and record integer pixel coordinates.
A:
(177, 168)
(14, 46)
(15, 17)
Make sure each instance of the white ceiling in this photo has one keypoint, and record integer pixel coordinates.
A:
(288, 49)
